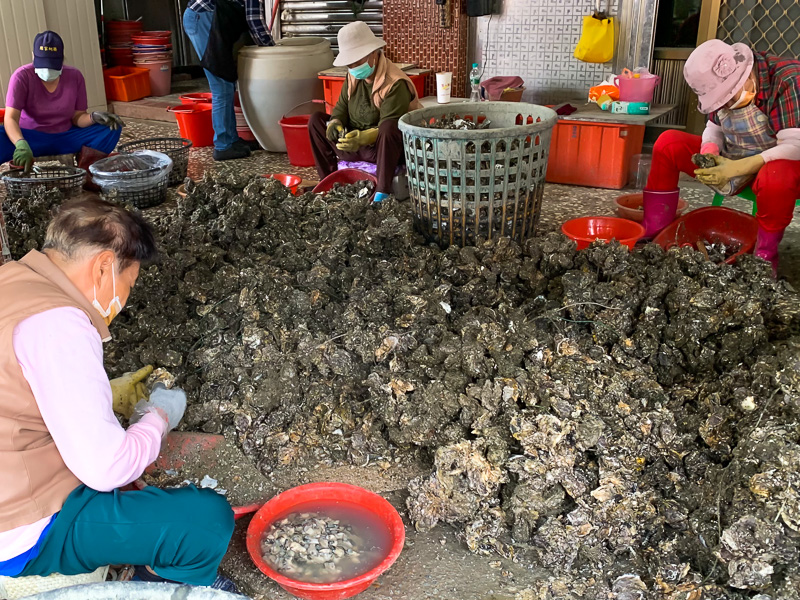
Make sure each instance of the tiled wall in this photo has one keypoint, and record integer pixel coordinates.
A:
(413, 34)
(535, 39)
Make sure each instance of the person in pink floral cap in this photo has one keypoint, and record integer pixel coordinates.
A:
(752, 101)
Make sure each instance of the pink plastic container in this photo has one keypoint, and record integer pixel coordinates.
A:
(160, 75)
(639, 89)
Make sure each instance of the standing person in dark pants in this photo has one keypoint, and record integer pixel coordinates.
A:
(216, 29)
(363, 125)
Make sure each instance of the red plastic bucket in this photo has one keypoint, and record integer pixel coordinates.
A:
(204, 97)
(298, 140)
(312, 492)
(194, 123)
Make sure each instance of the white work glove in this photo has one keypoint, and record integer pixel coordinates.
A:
(167, 403)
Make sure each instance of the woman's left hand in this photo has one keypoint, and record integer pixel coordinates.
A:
(127, 390)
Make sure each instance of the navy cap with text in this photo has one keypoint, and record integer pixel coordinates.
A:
(48, 51)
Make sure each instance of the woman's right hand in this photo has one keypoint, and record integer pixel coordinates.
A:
(334, 130)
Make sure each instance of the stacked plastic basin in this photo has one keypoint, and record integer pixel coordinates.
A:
(153, 50)
(242, 128)
(120, 44)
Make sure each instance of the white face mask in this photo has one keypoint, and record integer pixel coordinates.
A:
(48, 74)
(114, 307)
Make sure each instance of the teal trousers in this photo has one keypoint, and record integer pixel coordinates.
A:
(182, 534)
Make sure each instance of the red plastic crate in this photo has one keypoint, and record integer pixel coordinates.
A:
(333, 86)
(593, 154)
(126, 84)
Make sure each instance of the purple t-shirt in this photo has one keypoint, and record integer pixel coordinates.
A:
(41, 110)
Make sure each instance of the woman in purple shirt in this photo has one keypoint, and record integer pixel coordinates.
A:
(46, 111)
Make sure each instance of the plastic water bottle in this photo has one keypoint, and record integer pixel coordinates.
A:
(475, 82)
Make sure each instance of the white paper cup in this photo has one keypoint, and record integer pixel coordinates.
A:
(443, 85)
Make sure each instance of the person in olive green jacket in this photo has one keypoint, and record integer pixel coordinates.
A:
(363, 125)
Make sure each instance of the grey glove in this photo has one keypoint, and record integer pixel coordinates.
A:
(172, 402)
(110, 120)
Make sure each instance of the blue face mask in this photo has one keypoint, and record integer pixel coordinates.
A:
(48, 74)
(362, 71)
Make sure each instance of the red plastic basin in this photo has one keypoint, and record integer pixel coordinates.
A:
(312, 492)
(713, 224)
(586, 230)
(290, 181)
(343, 176)
(629, 206)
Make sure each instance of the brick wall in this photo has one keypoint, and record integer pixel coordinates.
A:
(413, 34)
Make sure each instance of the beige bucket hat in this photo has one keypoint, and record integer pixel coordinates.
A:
(356, 41)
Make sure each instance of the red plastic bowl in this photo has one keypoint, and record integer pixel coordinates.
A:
(312, 492)
(586, 230)
(343, 176)
(290, 181)
(713, 224)
(629, 206)
(204, 97)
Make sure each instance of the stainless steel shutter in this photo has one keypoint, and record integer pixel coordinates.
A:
(324, 18)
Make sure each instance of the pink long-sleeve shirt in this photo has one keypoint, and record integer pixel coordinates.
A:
(788, 147)
(61, 356)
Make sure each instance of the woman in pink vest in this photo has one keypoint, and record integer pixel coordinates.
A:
(753, 135)
(63, 453)
(363, 125)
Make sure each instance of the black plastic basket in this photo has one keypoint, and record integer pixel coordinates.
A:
(149, 196)
(69, 180)
(176, 148)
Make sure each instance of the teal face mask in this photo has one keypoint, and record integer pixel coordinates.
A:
(362, 71)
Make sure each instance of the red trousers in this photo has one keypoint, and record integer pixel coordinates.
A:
(776, 186)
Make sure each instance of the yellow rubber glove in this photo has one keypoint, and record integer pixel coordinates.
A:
(727, 169)
(127, 390)
(356, 139)
(334, 130)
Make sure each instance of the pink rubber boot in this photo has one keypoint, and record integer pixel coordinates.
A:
(767, 244)
(659, 210)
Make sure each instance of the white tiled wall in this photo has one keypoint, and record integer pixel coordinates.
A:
(535, 39)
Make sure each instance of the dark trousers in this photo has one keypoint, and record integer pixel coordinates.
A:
(182, 534)
(387, 152)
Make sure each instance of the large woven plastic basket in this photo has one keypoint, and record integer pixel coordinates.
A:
(176, 148)
(142, 182)
(482, 183)
(5, 249)
(69, 180)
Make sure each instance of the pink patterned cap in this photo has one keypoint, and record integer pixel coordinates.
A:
(716, 72)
